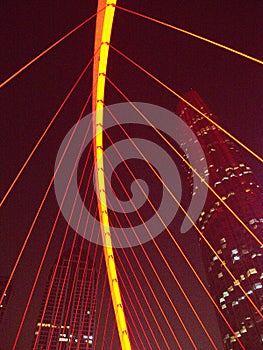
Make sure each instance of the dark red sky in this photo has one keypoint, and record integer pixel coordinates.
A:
(230, 84)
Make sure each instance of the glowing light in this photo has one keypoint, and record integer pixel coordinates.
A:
(102, 205)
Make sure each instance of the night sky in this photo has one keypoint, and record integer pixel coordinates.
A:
(231, 85)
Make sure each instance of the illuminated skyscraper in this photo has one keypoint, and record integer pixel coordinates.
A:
(233, 180)
(69, 318)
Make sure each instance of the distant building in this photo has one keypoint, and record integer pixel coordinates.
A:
(233, 180)
(69, 318)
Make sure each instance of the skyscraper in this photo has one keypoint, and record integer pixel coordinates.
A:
(234, 181)
(69, 315)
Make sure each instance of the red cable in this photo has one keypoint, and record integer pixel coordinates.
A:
(191, 34)
(46, 192)
(49, 48)
(46, 130)
(112, 335)
(185, 161)
(61, 250)
(54, 225)
(105, 325)
(240, 286)
(176, 280)
(96, 289)
(82, 112)
(177, 245)
(39, 269)
(134, 310)
(83, 238)
(100, 309)
(136, 297)
(83, 280)
(168, 323)
(74, 240)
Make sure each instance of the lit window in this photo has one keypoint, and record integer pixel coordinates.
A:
(234, 303)
(232, 339)
(251, 324)
(230, 289)
(251, 271)
(257, 285)
(63, 339)
(226, 337)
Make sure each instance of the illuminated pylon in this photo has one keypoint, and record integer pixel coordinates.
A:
(102, 40)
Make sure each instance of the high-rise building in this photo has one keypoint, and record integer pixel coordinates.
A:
(234, 181)
(69, 315)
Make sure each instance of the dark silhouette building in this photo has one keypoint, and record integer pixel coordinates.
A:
(67, 314)
(234, 181)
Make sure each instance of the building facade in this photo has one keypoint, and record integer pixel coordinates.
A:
(234, 181)
(67, 314)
